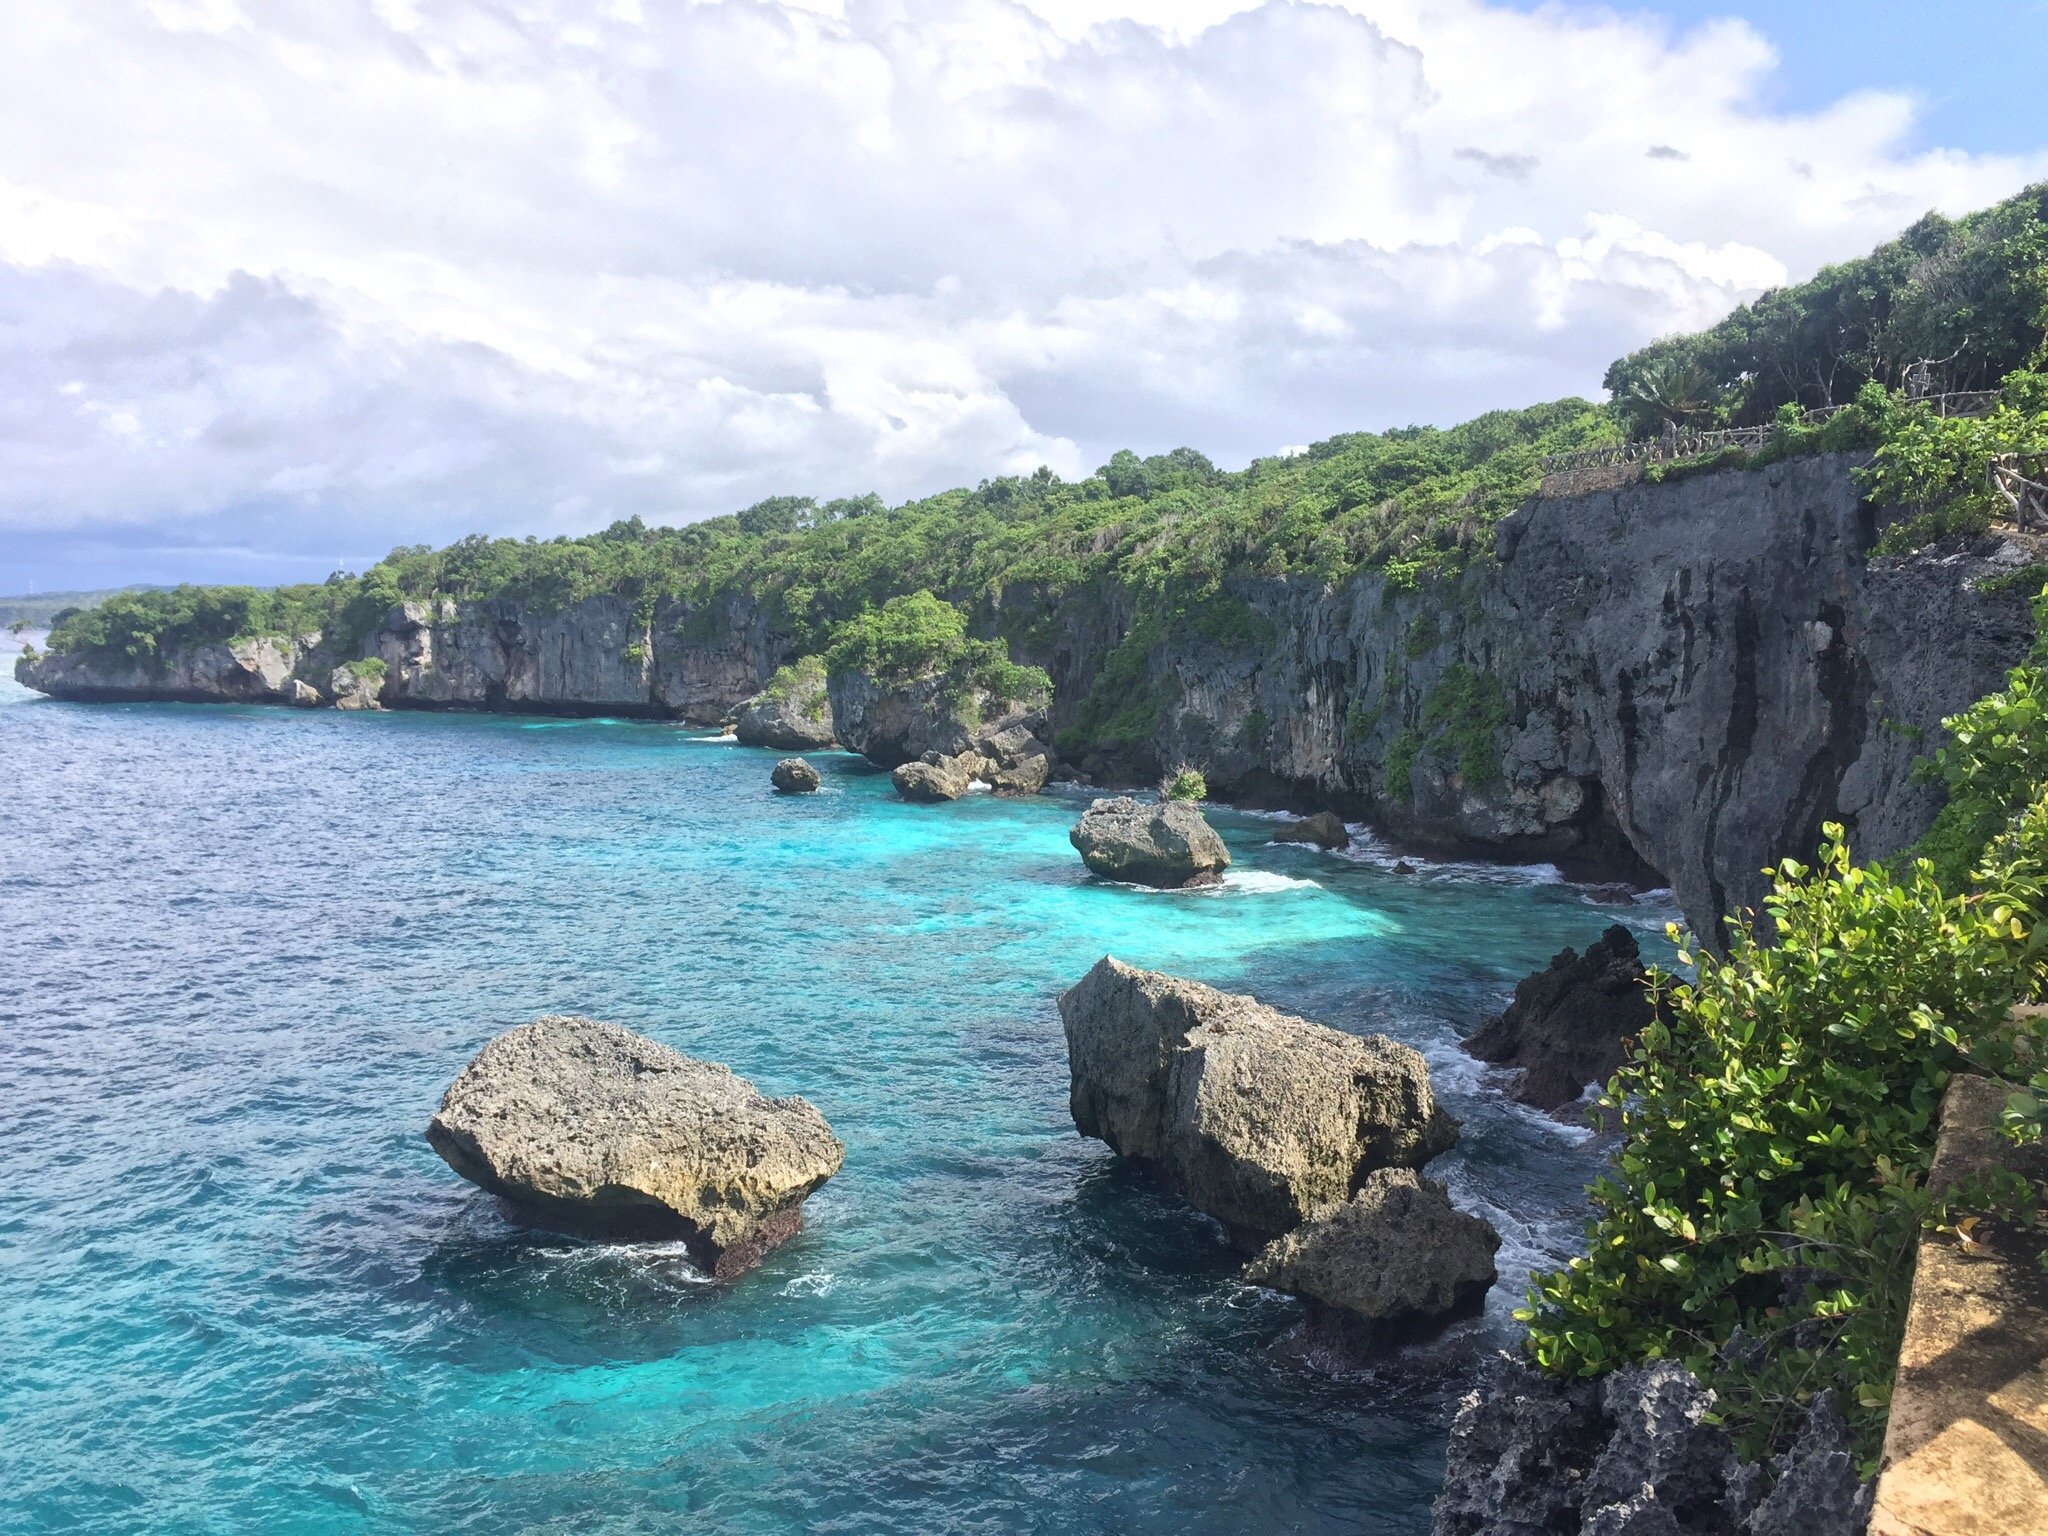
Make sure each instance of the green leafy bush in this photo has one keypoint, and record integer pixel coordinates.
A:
(1940, 465)
(1185, 784)
(1971, 293)
(906, 637)
(1777, 1132)
(1778, 1123)
(803, 678)
(919, 634)
(1467, 712)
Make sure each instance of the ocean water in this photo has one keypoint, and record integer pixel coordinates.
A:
(245, 949)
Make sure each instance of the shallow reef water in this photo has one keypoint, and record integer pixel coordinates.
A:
(245, 950)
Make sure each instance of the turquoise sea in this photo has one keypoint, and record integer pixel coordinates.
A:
(245, 949)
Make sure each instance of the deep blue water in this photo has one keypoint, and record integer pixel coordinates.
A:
(245, 949)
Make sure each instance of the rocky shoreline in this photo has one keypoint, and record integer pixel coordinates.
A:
(1671, 684)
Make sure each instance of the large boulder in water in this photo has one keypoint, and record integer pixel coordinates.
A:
(1168, 844)
(930, 780)
(589, 1128)
(1569, 1025)
(1397, 1255)
(792, 714)
(794, 776)
(1259, 1118)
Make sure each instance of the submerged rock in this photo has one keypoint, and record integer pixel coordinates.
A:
(1397, 1254)
(1168, 844)
(588, 1128)
(931, 780)
(794, 776)
(1257, 1117)
(792, 714)
(1325, 829)
(1568, 1025)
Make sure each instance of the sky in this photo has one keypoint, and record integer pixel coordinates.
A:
(285, 283)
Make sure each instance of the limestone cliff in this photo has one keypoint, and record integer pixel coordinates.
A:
(1677, 682)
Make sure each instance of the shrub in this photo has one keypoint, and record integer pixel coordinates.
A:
(906, 637)
(1777, 1130)
(1939, 465)
(1185, 784)
(1778, 1123)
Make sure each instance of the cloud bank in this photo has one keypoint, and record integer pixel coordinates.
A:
(282, 284)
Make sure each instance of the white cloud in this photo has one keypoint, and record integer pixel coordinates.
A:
(328, 277)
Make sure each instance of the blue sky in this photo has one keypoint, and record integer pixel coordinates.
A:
(282, 287)
(1959, 56)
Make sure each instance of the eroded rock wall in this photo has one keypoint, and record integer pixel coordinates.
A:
(1677, 682)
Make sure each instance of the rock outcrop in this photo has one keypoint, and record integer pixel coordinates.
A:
(1168, 844)
(255, 671)
(794, 776)
(1673, 683)
(792, 714)
(1397, 1255)
(357, 685)
(1260, 1119)
(1325, 829)
(931, 779)
(1633, 1455)
(900, 720)
(589, 1128)
(1568, 1025)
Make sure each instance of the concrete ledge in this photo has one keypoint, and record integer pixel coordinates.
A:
(1966, 1451)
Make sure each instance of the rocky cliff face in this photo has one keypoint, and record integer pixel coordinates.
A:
(1675, 682)
(595, 657)
(1680, 682)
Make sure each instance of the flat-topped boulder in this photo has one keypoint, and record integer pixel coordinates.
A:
(588, 1128)
(1325, 829)
(1397, 1255)
(1167, 844)
(794, 776)
(1259, 1118)
(931, 779)
(1569, 1024)
(791, 714)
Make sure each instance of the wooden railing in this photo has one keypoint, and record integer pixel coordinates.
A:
(2021, 481)
(1570, 470)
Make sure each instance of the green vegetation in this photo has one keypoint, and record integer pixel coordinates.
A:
(369, 668)
(148, 624)
(1466, 712)
(1939, 464)
(1171, 529)
(804, 677)
(1968, 296)
(1778, 1127)
(919, 634)
(1185, 784)
(40, 610)
(1399, 774)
